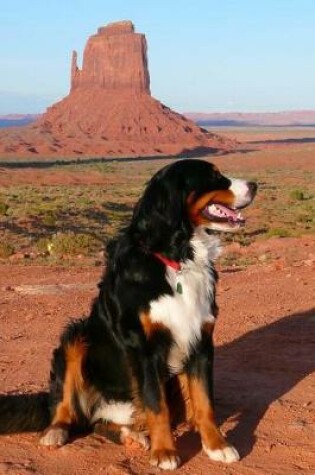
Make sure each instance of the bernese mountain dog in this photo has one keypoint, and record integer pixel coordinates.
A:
(151, 323)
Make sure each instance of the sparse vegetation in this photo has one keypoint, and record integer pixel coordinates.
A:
(278, 232)
(68, 244)
(6, 250)
(49, 219)
(3, 208)
(31, 216)
(297, 195)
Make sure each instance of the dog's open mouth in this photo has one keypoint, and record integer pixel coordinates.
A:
(222, 214)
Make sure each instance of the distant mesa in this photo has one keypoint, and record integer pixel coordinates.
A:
(109, 110)
(17, 120)
(297, 118)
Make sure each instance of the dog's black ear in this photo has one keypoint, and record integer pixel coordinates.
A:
(159, 219)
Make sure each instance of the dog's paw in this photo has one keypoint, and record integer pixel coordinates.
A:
(55, 437)
(133, 438)
(227, 454)
(165, 459)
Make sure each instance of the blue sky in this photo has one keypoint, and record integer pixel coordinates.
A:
(204, 55)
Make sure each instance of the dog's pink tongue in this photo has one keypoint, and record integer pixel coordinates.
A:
(221, 211)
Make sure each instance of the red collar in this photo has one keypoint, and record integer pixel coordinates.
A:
(168, 262)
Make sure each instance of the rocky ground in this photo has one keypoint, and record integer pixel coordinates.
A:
(265, 363)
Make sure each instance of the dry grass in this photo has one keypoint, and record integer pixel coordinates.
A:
(31, 215)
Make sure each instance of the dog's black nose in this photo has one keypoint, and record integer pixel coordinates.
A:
(252, 185)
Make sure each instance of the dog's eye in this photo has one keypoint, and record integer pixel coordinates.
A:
(222, 180)
(217, 176)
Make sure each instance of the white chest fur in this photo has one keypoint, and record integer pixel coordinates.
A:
(185, 313)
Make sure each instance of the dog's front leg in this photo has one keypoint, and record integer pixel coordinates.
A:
(199, 370)
(149, 371)
(163, 452)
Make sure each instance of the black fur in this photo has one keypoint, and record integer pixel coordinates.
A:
(160, 221)
(118, 350)
(24, 412)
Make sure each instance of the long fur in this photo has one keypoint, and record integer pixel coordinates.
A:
(150, 323)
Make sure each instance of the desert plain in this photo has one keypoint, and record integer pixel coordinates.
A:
(55, 219)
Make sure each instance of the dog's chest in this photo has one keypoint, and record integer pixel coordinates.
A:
(185, 312)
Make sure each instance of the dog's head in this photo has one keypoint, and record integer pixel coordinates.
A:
(184, 196)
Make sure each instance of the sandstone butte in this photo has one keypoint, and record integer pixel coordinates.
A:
(109, 111)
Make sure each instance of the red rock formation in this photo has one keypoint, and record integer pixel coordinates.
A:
(109, 110)
(114, 59)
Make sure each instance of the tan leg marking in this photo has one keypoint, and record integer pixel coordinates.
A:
(126, 435)
(213, 442)
(150, 327)
(184, 383)
(163, 452)
(185, 393)
(208, 328)
(134, 439)
(58, 432)
(73, 383)
(203, 416)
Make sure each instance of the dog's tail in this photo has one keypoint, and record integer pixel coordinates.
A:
(24, 412)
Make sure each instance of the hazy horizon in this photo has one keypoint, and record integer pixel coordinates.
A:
(203, 56)
(188, 113)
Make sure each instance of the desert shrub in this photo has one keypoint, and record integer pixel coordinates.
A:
(305, 218)
(69, 244)
(243, 239)
(3, 208)
(229, 259)
(246, 261)
(43, 245)
(297, 195)
(278, 232)
(49, 219)
(6, 250)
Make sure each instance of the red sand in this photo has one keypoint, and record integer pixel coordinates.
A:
(264, 366)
